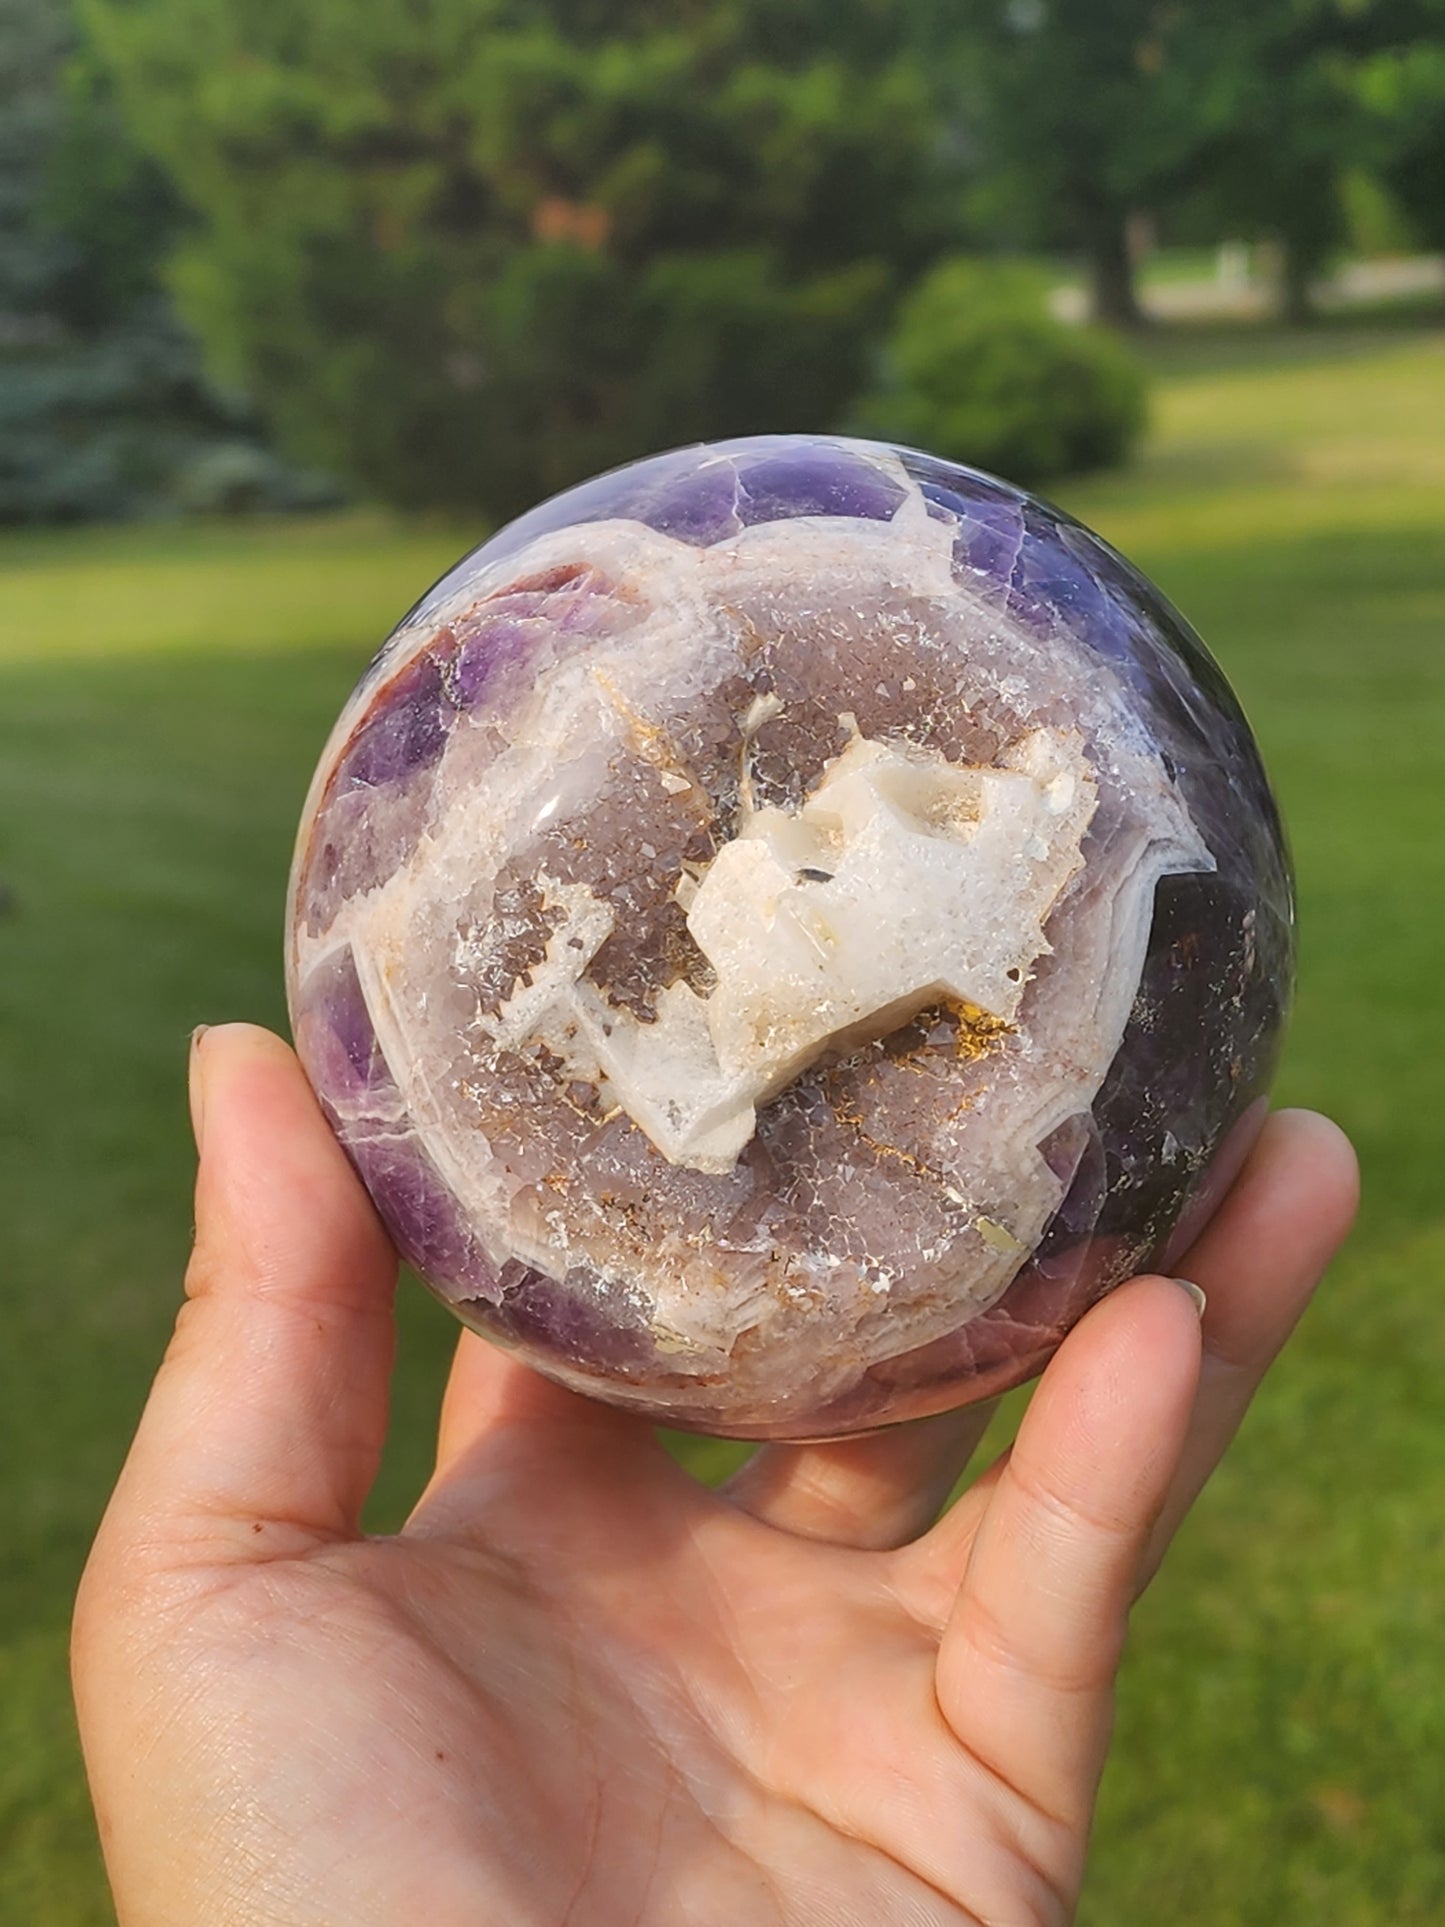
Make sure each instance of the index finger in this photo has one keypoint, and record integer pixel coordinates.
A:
(1027, 1661)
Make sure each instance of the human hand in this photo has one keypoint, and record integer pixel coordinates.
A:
(578, 1687)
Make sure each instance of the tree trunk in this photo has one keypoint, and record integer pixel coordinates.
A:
(1297, 266)
(1112, 296)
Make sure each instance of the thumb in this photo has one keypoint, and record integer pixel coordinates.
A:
(264, 1427)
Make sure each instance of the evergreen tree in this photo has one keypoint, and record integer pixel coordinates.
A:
(468, 250)
(104, 408)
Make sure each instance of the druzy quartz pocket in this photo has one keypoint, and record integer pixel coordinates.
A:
(783, 928)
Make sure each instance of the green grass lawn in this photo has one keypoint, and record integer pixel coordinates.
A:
(163, 694)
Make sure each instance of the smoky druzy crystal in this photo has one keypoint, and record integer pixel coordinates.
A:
(783, 928)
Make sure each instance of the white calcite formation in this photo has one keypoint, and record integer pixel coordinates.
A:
(746, 959)
(902, 881)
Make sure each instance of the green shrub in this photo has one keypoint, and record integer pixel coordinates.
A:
(979, 371)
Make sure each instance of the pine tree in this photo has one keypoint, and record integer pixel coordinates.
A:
(466, 251)
(105, 409)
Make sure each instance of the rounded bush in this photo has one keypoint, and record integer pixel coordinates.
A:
(978, 370)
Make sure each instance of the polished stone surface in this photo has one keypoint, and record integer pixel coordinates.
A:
(783, 928)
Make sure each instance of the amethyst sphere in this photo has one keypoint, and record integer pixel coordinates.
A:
(783, 928)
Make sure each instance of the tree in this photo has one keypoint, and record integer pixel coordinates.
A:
(1245, 111)
(467, 250)
(1078, 108)
(1277, 101)
(1285, 120)
(104, 409)
(1404, 93)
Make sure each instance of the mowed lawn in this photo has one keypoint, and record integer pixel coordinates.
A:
(163, 695)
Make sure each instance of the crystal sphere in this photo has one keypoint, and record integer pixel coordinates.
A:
(783, 928)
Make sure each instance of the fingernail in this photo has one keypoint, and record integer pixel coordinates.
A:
(197, 1092)
(1194, 1291)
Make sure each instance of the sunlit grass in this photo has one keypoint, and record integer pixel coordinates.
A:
(163, 693)
(1284, 1704)
(252, 589)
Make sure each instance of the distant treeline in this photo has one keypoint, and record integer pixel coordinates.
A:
(461, 252)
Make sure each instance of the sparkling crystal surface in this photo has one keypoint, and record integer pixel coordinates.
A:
(783, 928)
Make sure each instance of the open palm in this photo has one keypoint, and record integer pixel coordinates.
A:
(578, 1687)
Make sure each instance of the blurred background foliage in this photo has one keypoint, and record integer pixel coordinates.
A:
(466, 253)
(105, 409)
(459, 253)
(374, 257)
